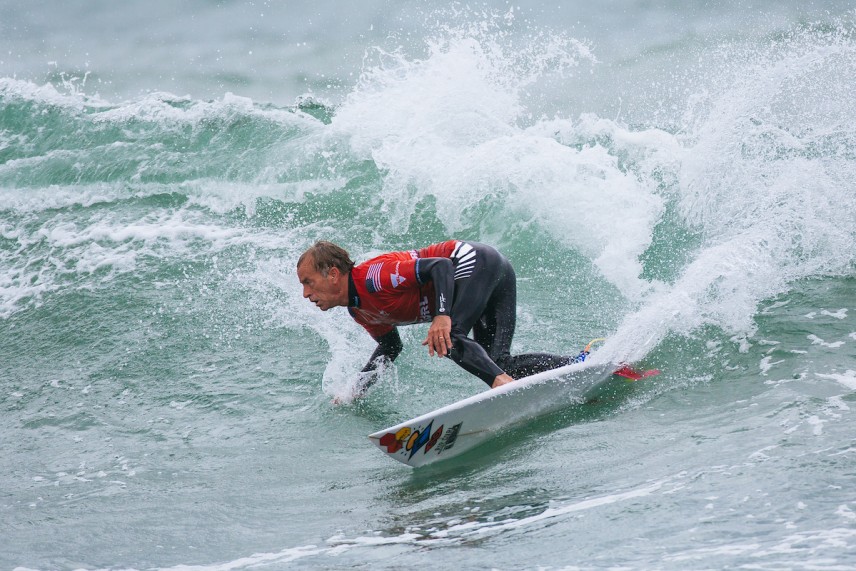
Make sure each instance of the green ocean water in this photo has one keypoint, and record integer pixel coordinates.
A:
(679, 181)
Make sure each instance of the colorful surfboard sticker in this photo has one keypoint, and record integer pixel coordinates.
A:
(411, 440)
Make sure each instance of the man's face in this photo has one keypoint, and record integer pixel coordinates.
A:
(323, 291)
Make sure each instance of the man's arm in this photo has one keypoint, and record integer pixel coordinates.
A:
(440, 272)
(389, 346)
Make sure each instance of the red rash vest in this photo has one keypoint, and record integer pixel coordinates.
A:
(387, 292)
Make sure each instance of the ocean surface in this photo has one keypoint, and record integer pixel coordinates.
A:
(679, 177)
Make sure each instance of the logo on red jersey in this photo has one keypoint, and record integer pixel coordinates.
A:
(396, 278)
(424, 309)
(373, 278)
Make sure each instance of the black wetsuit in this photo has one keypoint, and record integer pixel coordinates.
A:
(484, 300)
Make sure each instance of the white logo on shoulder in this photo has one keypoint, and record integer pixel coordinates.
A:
(396, 278)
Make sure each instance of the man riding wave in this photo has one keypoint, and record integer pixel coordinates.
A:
(458, 286)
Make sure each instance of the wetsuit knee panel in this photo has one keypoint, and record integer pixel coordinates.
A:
(504, 362)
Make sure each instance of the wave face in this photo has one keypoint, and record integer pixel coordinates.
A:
(687, 193)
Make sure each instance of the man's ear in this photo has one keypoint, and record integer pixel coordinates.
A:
(334, 274)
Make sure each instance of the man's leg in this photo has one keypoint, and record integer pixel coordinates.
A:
(485, 301)
(495, 330)
(478, 271)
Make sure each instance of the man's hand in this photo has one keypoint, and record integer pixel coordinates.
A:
(357, 388)
(439, 338)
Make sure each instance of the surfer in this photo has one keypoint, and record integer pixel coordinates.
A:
(457, 286)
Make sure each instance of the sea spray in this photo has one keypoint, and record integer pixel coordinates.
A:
(766, 179)
(455, 126)
(160, 373)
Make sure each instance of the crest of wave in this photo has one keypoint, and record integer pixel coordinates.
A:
(454, 126)
(767, 178)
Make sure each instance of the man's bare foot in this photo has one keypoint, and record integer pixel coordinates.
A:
(500, 380)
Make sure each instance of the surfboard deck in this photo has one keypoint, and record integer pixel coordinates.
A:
(453, 429)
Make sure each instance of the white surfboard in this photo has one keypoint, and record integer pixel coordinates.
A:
(453, 429)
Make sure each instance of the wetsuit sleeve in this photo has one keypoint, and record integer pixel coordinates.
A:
(440, 272)
(389, 346)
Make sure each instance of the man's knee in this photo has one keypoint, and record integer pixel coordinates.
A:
(504, 362)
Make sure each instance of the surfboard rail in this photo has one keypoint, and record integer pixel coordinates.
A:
(460, 426)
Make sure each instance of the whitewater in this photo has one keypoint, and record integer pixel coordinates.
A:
(678, 179)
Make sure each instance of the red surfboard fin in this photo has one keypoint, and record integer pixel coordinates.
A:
(635, 375)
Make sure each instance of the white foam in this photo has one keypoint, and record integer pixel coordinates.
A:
(453, 126)
(815, 340)
(847, 379)
(817, 424)
(809, 549)
(457, 530)
(837, 402)
(53, 197)
(167, 109)
(255, 560)
(88, 255)
(769, 210)
(12, 89)
(155, 118)
(347, 342)
(840, 314)
(767, 364)
(489, 528)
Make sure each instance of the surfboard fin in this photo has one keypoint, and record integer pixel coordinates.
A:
(634, 375)
(625, 371)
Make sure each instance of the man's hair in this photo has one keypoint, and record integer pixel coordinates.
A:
(326, 255)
